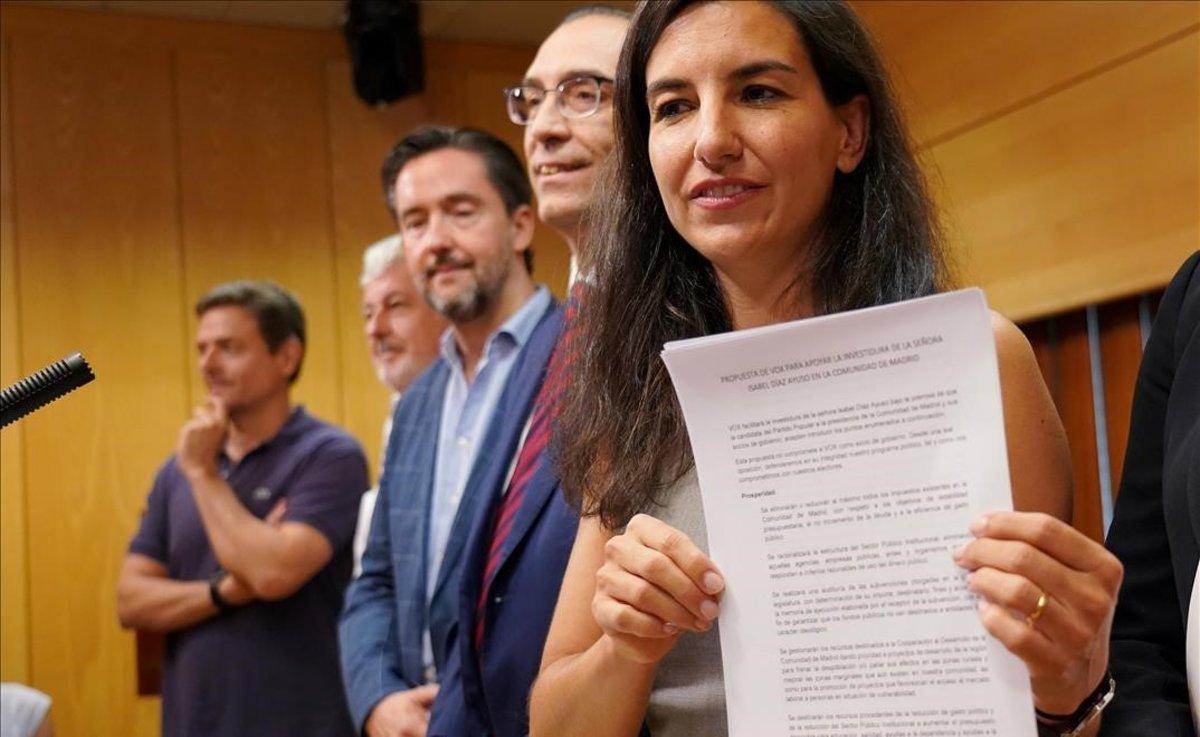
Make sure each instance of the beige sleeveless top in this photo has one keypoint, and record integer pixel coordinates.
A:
(688, 696)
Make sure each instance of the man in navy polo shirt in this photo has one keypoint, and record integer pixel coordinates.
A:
(243, 552)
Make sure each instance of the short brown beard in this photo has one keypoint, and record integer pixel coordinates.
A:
(475, 299)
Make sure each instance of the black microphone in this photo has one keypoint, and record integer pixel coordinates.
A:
(42, 388)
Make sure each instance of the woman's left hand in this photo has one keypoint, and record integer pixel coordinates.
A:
(1016, 559)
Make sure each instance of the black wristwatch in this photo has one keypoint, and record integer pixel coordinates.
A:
(214, 592)
(1071, 725)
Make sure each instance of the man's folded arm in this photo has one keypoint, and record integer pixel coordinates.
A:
(275, 560)
(149, 599)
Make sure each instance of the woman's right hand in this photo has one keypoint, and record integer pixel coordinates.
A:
(654, 584)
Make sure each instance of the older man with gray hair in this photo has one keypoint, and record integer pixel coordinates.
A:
(402, 329)
(402, 337)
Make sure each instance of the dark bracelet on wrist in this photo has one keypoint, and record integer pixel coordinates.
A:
(1069, 725)
(214, 592)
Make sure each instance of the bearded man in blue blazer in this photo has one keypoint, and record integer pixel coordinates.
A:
(519, 544)
(461, 200)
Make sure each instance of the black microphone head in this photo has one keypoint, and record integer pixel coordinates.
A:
(42, 387)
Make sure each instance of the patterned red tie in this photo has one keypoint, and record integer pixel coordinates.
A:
(536, 440)
(527, 463)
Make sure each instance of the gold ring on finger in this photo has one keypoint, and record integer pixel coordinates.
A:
(1038, 608)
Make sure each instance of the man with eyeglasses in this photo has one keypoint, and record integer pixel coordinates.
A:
(518, 547)
(566, 141)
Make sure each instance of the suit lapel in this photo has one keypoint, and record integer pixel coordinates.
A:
(540, 490)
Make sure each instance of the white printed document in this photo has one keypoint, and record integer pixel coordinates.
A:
(840, 460)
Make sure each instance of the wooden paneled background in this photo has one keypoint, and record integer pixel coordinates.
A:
(1089, 358)
(143, 160)
(1060, 137)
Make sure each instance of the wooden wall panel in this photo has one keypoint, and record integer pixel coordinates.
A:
(256, 200)
(444, 73)
(1120, 356)
(485, 103)
(959, 64)
(154, 158)
(166, 34)
(14, 571)
(1087, 195)
(98, 248)
(1064, 355)
(1079, 419)
(149, 649)
(447, 66)
(1061, 345)
(360, 137)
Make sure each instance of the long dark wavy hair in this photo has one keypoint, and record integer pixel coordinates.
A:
(620, 432)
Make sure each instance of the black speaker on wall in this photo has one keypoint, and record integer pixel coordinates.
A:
(385, 48)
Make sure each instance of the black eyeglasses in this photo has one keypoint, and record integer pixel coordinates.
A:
(577, 97)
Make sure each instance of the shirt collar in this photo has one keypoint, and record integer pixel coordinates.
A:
(291, 427)
(517, 328)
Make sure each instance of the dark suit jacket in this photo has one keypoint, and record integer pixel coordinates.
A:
(486, 693)
(1156, 525)
(386, 614)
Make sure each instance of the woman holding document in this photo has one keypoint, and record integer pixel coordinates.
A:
(761, 174)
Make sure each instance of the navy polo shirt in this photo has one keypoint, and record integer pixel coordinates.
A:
(269, 668)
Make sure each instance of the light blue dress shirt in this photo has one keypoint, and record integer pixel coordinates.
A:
(466, 413)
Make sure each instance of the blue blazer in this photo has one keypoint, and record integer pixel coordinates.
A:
(486, 692)
(386, 613)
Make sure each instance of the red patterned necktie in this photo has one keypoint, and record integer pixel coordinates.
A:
(536, 440)
(527, 463)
